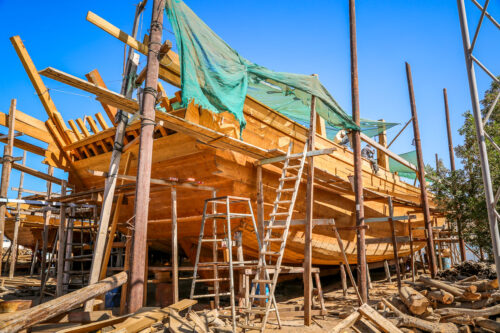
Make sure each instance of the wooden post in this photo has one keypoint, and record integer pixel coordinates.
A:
(114, 165)
(6, 167)
(17, 222)
(439, 252)
(175, 255)
(422, 261)
(394, 242)
(412, 255)
(309, 217)
(461, 241)
(343, 279)
(47, 214)
(358, 162)
(421, 176)
(260, 225)
(33, 259)
(139, 234)
(368, 277)
(387, 271)
(382, 158)
(61, 252)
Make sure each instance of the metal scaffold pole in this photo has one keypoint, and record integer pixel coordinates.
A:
(478, 122)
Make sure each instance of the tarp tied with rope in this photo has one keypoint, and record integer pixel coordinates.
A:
(216, 77)
(404, 171)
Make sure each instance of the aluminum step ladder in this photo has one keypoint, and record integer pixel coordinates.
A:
(276, 233)
(221, 218)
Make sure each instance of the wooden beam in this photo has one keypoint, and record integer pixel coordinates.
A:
(40, 88)
(45, 237)
(104, 95)
(62, 244)
(35, 173)
(101, 121)
(28, 126)
(27, 147)
(382, 158)
(175, 259)
(95, 78)
(27, 318)
(17, 223)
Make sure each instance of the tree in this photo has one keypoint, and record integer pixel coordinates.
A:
(460, 194)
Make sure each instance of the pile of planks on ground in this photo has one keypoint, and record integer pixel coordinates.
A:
(431, 305)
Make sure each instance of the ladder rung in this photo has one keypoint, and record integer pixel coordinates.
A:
(212, 295)
(286, 190)
(271, 253)
(288, 178)
(212, 240)
(278, 214)
(296, 166)
(249, 327)
(224, 215)
(212, 280)
(283, 201)
(256, 311)
(273, 239)
(259, 296)
(262, 281)
(278, 226)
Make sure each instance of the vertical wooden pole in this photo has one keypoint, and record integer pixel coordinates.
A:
(382, 158)
(412, 255)
(358, 162)
(61, 253)
(422, 260)
(421, 176)
(461, 241)
(139, 234)
(68, 249)
(394, 242)
(6, 167)
(33, 259)
(47, 214)
(343, 279)
(114, 165)
(387, 271)
(17, 222)
(260, 225)
(175, 255)
(309, 217)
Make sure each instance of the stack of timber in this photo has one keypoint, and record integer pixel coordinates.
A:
(431, 305)
(193, 142)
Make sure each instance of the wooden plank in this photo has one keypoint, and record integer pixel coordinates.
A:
(35, 173)
(45, 237)
(27, 146)
(382, 323)
(27, 128)
(175, 255)
(95, 326)
(38, 84)
(62, 243)
(105, 95)
(95, 77)
(101, 121)
(17, 223)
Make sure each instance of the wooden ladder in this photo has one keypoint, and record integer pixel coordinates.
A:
(276, 233)
(226, 243)
(78, 253)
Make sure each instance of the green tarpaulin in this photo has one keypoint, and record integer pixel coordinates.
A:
(218, 78)
(402, 170)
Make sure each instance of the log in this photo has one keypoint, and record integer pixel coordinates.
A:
(488, 324)
(441, 296)
(381, 322)
(415, 301)
(346, 322)
(483, 285)
(455, 291)
(424, 325)
(63, 304)
(486, 312)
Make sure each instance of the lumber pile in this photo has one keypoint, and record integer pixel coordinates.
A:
(469, 304)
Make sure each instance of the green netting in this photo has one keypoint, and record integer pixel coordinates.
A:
(218, 78)
(402, 170)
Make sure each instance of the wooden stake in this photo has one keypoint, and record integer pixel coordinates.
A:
(61, 253)
(175, 255)
(6, 167)
(394, 242)
(309, 217)
(412, 255)
(139, 234)
(45, 237)
(343, 279)
(421, 176)
(33, 259)
(387, 271)
(17, 223)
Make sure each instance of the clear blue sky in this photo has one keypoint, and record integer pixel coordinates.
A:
(293, 36)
